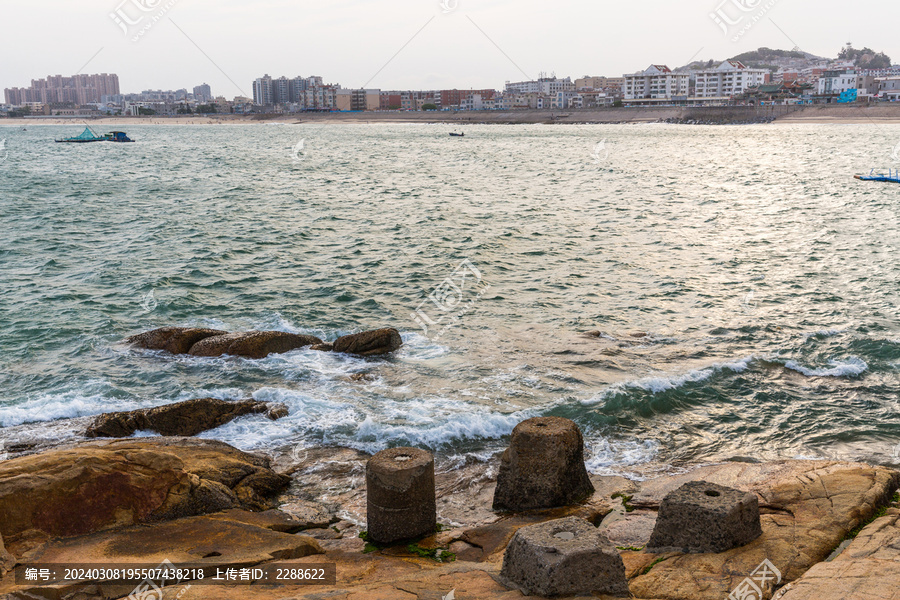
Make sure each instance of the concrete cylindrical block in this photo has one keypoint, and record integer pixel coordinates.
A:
(705, 517)
(563, 557)
(543, 466)
(400, 495)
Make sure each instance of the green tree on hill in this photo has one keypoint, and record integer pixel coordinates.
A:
(865, 58)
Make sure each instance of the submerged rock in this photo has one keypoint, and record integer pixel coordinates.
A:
(182, 418)
(252, 344)
(176, 340)
(369, 343)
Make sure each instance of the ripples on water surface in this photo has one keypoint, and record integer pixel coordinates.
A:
(765, 278)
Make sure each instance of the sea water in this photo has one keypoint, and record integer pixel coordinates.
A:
(741, 286)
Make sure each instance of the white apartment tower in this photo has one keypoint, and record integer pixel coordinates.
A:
(731, 78)
(657, 82)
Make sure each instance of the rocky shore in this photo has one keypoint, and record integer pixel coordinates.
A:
(832, 529)
(531, 522)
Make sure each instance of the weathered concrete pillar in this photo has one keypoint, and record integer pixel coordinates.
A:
(543, 466)
(563, 557)
(400, 495)
(705, 517)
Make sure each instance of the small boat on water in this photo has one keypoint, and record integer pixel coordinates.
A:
(89, 135)
(457, 134)
(117, 136)
(891, 177)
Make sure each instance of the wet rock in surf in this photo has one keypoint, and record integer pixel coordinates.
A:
(252, 344)
(543, 466)
(176, 340)
(369, 343)
(182, 418)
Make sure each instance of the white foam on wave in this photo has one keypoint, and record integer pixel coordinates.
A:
(430, 422)
(824, 333)
(664, 383)
(606, 457)
(93, 399)
(850, 367)
(66, 405)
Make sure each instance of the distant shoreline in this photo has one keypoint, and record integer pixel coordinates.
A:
(821, 114)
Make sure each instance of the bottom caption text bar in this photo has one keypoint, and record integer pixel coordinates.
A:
(167, 574)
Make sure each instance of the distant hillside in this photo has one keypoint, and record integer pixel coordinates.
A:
(865, 58)
(773, 59)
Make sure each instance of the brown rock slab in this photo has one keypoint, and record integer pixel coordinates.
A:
(186, 418)
(309, 514)
(176, 340)
(7, 560)
(252, 344)
(807, 508)
(273, 519)
(543, 466)
(106, 484)
(868, 568)
(369, 343)
(196, 540)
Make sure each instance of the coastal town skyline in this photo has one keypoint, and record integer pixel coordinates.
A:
(443, 44)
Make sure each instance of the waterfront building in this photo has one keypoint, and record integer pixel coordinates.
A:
(656, 82)
(730, 78)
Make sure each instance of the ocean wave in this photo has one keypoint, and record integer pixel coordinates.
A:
(67, 405)
(664, 383)
(84, 403)
(850, 367)
(606, 457)
(435, 423)
(824, 333)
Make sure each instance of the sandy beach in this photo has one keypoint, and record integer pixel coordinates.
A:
(825, 114)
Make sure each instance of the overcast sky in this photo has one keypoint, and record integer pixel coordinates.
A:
(463, 44)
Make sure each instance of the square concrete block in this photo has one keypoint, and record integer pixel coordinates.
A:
(563, 557)
(705, 517)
